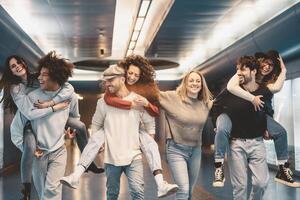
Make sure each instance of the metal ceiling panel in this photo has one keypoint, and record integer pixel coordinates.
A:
(186, 22)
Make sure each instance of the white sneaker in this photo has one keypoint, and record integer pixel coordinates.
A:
(166, 189)
(70, 181)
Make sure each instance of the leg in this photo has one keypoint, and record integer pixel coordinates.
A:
(88, 155)
(150, 149)
(177, 160)
(259, 168)
(29, 146)
(223, 126)
(81, 132)
(82, 140)
(237, 161)
(193, 169)
(279, 134)
(223, 131)
(113, 174)
(134, 173)
(39, 172)
(56, 170)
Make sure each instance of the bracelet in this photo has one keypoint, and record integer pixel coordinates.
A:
(52, 109)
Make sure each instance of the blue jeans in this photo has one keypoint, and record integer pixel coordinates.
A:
(244, 154)
(184, 162)
(29, 146)
(276, 131)
(134, 173)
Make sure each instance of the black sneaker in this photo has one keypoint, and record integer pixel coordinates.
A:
(219, 175)
(93, 168)
(285, 176)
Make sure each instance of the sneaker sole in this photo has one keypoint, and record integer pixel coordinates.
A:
(170, 192)
(295, 184)
(219, 184)
(67, 184)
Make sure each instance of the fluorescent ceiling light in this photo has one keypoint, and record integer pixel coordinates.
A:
(144, 8)
(135, 35)
(139, 23)
(132, 45)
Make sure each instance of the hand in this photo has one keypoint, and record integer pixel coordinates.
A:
(257, 103)
(267, 136)
(101, 149)
(38, 153)
(142, 101)
(61, 106)
(282, 65)
(70, 134)
(43, 104)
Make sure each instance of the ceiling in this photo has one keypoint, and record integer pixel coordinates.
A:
(183, 32)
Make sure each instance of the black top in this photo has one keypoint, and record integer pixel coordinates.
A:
(246, 122)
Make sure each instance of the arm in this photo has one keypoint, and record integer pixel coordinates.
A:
(277, 86)
(64, 94)
(233, 87)
(25, 105)
(74, 108)
(148, 123)
(115, 101)
(98, 117)
(152, 110)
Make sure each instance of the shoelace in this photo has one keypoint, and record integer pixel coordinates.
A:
(288, 173)
(219, 173)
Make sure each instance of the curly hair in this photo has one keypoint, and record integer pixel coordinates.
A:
(146, 86)
(147, 70)
(60, 69)
(8, 80)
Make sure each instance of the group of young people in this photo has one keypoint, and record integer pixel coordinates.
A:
(124, 124)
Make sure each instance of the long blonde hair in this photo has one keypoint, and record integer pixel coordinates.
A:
(203, 95)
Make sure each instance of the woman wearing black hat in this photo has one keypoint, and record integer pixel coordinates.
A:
(272, 74)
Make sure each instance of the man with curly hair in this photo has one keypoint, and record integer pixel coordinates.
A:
(50, 130)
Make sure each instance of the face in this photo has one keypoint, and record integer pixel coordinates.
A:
(45, 81)
(245, 75)
(194, 83)
(133, 75)
(17, 68)
(266, 67)
(114, 85)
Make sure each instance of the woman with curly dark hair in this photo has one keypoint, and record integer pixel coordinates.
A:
(139, 76)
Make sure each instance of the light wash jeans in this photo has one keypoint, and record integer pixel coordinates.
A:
(47, 171)
(184, 162)
(276, 131)
(246, 153)
(147, 143)
(29, 146)
(134, 173)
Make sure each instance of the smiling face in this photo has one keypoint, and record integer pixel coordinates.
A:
(46, 83)
(133, 75)
(17, 67)
(113, 85)
(245, 74)
(266, 67)
(194, 84)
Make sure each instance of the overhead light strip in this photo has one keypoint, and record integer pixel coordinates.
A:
(138, 25)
